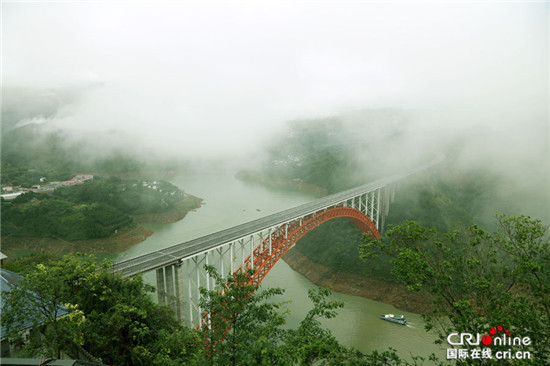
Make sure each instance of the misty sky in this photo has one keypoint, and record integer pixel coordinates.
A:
(210, 76)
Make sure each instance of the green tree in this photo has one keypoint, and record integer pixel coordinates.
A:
(36, 301)
(125, 326)
(243, 327)
(313, 344)
(477, 279)
(122, 325)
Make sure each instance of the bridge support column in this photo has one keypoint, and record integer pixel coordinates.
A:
(189, 291)
(170, 290)
(161, 293)
(207, 274)
(387, 194)
(197, 304)
(179, 291)
(384, 207)
(378, 209)
(371, 201)
(252, 248)
(232, 257)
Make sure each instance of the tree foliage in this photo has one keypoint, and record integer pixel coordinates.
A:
(243, 326)
(129, 196)
(115, 320)
(477, 279)
(95, 209)
(36, 301)
(334, 244)
(112, 318)
(44, 216)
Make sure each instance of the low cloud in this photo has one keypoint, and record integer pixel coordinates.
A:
(210, 80)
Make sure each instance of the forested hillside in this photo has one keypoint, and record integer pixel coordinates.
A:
(94, 209)
(342, 152)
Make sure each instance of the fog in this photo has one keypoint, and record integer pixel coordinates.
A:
(217, 79)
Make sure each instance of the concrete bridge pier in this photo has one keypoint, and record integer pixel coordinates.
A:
(388, 196)
(170, 288)
(161, 293)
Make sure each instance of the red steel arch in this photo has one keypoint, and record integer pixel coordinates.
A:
(285, 237)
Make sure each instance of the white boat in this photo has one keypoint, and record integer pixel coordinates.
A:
(399, 319)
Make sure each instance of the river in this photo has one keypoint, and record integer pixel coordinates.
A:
(228, 202)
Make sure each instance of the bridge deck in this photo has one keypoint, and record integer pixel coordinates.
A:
(170, 255)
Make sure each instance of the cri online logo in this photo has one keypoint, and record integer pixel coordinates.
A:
(505, 339)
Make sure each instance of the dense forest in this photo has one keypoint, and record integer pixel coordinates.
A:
(94, 209)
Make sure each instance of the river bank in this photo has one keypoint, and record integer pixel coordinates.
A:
(349, 284)
(180, 210)
(119, 242)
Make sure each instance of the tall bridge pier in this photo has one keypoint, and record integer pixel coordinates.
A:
(170, 287)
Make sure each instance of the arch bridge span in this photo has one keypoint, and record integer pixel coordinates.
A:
(265, 255)
(258, 244)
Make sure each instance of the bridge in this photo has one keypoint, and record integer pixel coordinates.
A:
(258, 244)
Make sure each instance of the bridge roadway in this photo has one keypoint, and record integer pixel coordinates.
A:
(175, 253)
